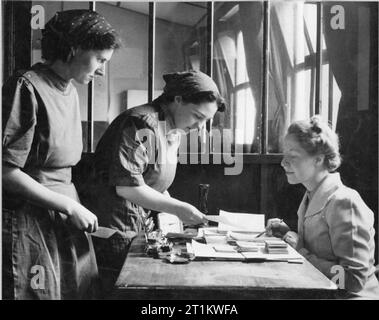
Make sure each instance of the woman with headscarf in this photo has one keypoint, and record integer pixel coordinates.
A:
(135, 163)
(46, 252)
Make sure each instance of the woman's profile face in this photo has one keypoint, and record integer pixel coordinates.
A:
(299, 166)
(188, 116)
(87, 63)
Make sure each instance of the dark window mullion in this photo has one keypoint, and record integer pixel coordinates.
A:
(210, 38)
(210, 30)
(151, 51)
(318, 60)
(235, 92)
(312, 93)
(265, 77)
(330, 97)
(90, 103)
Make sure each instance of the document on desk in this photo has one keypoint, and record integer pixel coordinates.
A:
(103, 232)
(169, 223)
(292, 256)
(233, 221)
(218, 252)
(201, 250)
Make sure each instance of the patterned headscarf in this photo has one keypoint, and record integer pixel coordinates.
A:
(74, 26)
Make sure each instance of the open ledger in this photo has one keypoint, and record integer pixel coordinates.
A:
(230, 252)
(239, 237)
(235, 238)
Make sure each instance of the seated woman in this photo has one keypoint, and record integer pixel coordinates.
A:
(335, 226)
(130, 179)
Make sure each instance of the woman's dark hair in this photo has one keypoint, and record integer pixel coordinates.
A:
(54, 48)
(317, 138)
(73, 29)
(195, 98)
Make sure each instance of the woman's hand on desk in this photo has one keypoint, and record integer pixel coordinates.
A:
(149, 198)
(277, 228)
(291, 238)
(190, 215)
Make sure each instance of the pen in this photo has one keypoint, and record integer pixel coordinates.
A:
(260, 234)
(263, 232)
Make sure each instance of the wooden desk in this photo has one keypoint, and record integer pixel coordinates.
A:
(144, 277)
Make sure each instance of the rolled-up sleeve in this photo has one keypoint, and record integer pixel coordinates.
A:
(130, 158)
(350, 223)
(19, 116)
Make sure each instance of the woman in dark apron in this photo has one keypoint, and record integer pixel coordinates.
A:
(47, 253)
(131, 175)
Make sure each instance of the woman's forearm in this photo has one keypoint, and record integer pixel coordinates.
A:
(19, 183)
(149, 198)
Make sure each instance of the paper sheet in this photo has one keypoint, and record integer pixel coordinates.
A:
(103, 232)
(207, 251)
(291, 256)
(232, 221)
(169, 223)
(244, 236)
(223, 221)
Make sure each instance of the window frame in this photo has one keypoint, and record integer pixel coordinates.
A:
(262, 156)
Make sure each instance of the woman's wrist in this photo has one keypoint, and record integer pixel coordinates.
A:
(181, 206)
(68, 206)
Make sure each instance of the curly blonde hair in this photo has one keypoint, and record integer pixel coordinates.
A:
(317, 138)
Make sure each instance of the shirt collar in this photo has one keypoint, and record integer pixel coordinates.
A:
(56, 80)
(323, 192)
(310, 194)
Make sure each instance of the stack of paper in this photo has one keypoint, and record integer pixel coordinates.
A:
(227, 252)
(209, 252)
(224, 248)
(245, 246)
(245, 236)
(212, 235)
(292, 256)
(276, 246)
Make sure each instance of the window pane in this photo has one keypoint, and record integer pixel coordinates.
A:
(324, 91)
(291, 67)
(237, 70)
(181, 38)
(310, 20)
(181, 43)
(125, 82)
(335, 102)
(245, 117)
(330, 92)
